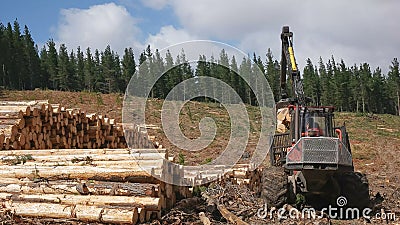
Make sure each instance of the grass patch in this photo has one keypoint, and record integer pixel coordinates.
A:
(181, 159)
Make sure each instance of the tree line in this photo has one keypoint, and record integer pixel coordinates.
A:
(355, 88)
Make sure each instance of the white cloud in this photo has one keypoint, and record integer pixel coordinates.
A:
(168, 36)
(97, 27)
(357, 31)
(155, 4)
(230, 19)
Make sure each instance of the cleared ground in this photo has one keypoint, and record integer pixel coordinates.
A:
(375, 139)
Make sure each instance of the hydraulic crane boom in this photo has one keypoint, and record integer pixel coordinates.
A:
(289, 67)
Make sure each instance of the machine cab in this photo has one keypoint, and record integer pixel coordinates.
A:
(313, 122)
(316, 122)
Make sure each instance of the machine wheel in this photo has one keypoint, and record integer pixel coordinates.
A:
(354, 186)
(274, 186)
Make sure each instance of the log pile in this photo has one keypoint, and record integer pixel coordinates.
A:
(64, 163)
(283, 120)
(136, 136)
(40, 125)
(97, 185)
(238, 174)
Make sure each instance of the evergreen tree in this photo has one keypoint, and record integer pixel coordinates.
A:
(378, 92)
(223, 67)
(258, 71)
(32, 61)
(143, 72)
(273, 75)
(148, 52)
(158, 68)
(146, 70)
(7, 63)
(186, 73)
(245, 71)
(394, 81)
(63, 77)
(9, 66)
(119, 83)
(355, 90)
(20, 62)
(311, 83)
(342, 82)
(201, 72)
(128, 66)
(365, 77)
(80, 70)
(44, 69)
(169, 75)
(22, 66)
(89, 70)
(73, 77)
(327, 90)
(213, 68)
(152, 70)
(3, 56)
(110, 66)
(106, 82)
(98, 76)
(176, 74)
(52, 64)
(235, 79)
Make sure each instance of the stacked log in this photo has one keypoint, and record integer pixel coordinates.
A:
(283, 120)
(238, 174)
(136, 135)
(64, 163)
(40, 125)
(97, 185)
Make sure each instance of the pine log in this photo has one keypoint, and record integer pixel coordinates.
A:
(77, 172)
(80, 151)
(11, 114)
(40, 209)
(74, 187)
(88, 213)
(212, 202)
(230, 216)
(101, 164)
(121, 215)
(122, 161)
(9, 130)
(23, 103)
(87, 159)
(148, 203)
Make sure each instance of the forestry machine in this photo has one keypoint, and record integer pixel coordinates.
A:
(311, 161)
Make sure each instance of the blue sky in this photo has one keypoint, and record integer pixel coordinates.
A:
(356, 31)
(42, 16)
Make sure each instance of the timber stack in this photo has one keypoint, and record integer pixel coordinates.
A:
(238, 174)
(63, 163)
(40, 125)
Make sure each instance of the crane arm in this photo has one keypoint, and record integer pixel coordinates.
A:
(289, 67)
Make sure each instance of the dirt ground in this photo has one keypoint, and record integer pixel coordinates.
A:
(375, 141)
